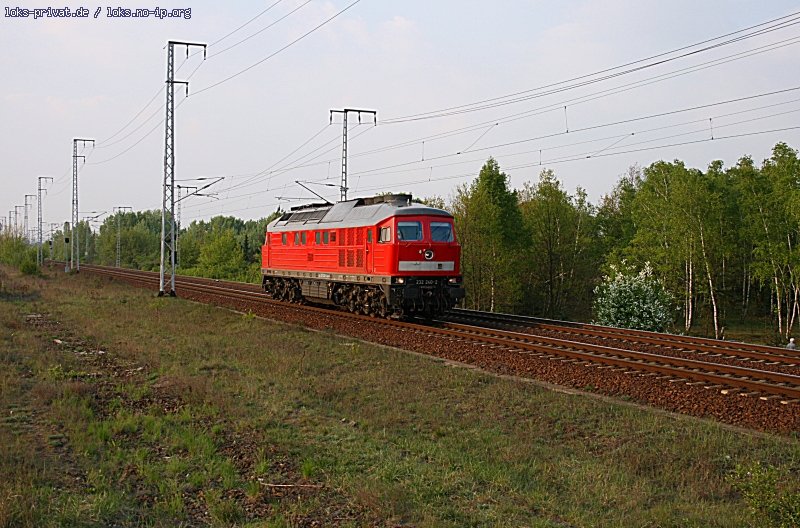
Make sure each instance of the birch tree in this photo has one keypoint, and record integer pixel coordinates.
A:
(489, 226)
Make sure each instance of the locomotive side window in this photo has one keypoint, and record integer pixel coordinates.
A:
(409, 231)
(317, 237)
(303, 238)
(441, 232)
(283, 239)
(297, 238)
(386, 234)
(369, 236)
(325, 237)
(333, 236)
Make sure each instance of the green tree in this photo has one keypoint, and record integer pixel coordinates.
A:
(561, 251)
(489, 226)
(614, 219)
(770, 197)
(222, 257)
(678, 215)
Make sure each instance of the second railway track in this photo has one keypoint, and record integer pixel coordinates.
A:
(747, 381)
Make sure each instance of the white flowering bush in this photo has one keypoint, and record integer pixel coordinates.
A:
(627, 299)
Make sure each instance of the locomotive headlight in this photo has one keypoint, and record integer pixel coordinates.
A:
(453, 280)
(400, 280)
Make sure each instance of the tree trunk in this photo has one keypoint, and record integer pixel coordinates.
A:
(778, 303)
(689, 310)
(710, 284)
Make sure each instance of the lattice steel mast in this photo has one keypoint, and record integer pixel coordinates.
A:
(343, 187)
(39, 255)
(26, 227)
(75, 250)
(168, 200)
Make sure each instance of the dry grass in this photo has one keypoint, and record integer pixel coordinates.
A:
(193, 410)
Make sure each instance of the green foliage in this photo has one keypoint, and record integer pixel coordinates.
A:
(221, 255)
(224, 247)
(627, 299)
(560, 247)
(614, 217)
(724, 241)
(489, 225)
(766, 489)
(15, 251)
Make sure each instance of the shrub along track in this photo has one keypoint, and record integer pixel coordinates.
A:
(769, 399)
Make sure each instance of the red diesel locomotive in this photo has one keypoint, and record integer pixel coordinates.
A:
(385, 256)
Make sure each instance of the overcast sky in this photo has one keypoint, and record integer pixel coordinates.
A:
(65, 78)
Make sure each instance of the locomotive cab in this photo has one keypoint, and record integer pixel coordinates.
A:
(425, 263)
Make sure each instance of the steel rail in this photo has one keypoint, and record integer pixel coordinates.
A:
(772, 383)
(700, 345)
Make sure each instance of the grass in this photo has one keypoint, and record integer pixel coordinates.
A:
(201, 416)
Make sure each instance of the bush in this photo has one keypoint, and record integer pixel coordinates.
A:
(29, 267)
(771, 499)
(14, 251)
(630, 299)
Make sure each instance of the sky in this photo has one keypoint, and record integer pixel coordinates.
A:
(535, 84)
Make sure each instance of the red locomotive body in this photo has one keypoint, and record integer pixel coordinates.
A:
(384, 256)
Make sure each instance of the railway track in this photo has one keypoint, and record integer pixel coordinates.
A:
(698, 346)
(523, 347)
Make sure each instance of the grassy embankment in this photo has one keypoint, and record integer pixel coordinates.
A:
(198, 415)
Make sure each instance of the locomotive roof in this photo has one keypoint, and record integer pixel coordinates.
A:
(359, 212)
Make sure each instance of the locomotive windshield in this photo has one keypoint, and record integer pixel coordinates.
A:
(441, 232)
(409, 231)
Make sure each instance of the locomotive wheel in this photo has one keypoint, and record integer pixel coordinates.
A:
(378, 305)
(352, 300)
(294, 293)
(383, 306)
(365, 302)
(283, 290)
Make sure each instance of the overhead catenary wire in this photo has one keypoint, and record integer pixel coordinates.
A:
(310, 163)
(287, 46)
(471, 174)
(102, 143)
(287, 15)
(618, 137)
(259, 15)
(277, 163)
(381, 170)
(689, 69)
(777, 24)
(579, 100)
(584, 157)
